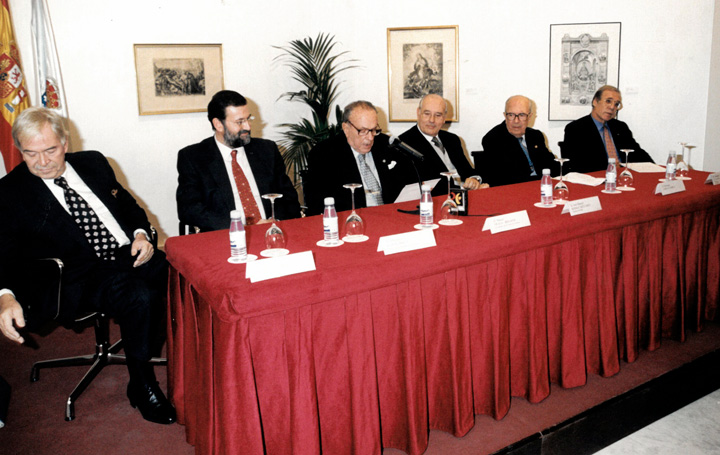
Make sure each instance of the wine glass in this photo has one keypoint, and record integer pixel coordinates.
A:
(683, 166)
(561, 193)
(449, 209)
(274, 237)
(354, 226)
(625, 179)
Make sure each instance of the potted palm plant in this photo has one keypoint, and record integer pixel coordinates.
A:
(313, 65)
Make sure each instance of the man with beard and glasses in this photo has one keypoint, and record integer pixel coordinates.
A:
(231, 171)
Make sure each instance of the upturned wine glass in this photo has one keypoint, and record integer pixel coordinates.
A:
(354, 226)
(449, 209)
(561, 193)
(274, 237)
(683, 166)
(625, 179)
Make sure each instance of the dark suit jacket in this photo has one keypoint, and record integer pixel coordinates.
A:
(586, 150)
(35, 225)
(431, 167)
(331, 164)
(507, 163)
(204, 194)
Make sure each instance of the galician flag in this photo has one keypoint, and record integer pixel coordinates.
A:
(50, 90)
(13, 93)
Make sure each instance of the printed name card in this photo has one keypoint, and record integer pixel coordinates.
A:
(276, 267)
(407, 241)
(580, 206)
(507, 222)
(670, 187)
(713, 178)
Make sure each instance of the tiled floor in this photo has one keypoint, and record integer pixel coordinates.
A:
(692, 430)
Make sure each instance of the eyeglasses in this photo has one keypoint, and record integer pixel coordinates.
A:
(612, 103)
(365, 131)
(242, 121)
(522, 116)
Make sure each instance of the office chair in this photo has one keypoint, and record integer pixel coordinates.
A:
(105, 353)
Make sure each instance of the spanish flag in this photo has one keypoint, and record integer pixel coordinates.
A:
(13, 94)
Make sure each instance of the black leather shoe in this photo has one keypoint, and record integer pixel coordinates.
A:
(151, 402)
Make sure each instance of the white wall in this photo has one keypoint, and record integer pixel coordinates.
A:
(712, 136)
(665, 60)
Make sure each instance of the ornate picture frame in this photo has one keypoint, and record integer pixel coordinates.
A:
(177, 78)
(583, 58)
(422, 60)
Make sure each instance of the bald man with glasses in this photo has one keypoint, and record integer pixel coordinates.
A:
(359, 154)
(514, 152)
(591, 140)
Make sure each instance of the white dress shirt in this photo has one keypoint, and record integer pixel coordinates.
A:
(226, 151)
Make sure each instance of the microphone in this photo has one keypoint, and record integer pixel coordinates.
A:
(405, 148)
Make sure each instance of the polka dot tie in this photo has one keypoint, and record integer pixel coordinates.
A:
(95, 231)
(252, 212)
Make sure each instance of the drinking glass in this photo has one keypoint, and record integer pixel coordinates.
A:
(625, 179)
(561, 193)
(683, 166)
(354, 226)
(274, 237)
(449, 209)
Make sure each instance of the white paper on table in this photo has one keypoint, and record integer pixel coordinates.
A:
(407, 241)
(670, 187)
(646, 167)
(583, 179)
(411, 192)
(713, 178)
(580, 206)
(507, 222)
(276, 267)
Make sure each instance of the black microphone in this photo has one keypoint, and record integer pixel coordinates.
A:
(400, 145)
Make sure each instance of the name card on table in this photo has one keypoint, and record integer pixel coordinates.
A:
(670, 187)
(580, 206)
(276, 267)
(713, 178)
(507, 222)
(407, 241)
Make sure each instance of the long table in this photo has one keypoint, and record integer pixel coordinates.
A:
(373, 351)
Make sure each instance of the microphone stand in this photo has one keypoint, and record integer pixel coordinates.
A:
(412, 160)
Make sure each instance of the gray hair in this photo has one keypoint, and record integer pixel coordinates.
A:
(360, 104)
(31, 121)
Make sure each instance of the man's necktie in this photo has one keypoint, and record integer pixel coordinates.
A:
(610, 146)
(250, 207)
(373, 192)
(533, 172)
(95, 231)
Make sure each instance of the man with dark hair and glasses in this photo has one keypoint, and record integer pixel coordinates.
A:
(231, 171)
(359, 154)
(591, 140)
(514, 152)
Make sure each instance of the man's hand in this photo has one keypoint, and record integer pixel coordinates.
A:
(11, 311)
(264, 221)
(473, 184)
(144, 247)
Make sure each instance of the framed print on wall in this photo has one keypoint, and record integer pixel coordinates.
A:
(583, 58)
(421, 60)
(177, 78)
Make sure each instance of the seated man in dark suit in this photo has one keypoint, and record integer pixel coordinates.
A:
(516, 153)
(442, 150)
(71, 207)
(359, 154)
(230, 170)
(589, 141)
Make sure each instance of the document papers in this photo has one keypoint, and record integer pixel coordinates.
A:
(583, 179)
(411, 192)
(276, 267)
(407, 241)
(646, 167)
(507, 222)
(580, 206)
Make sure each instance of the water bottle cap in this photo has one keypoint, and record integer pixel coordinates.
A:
(611, 160)
(546, 171)
(235, 214)
(425, 187)
(329, 201)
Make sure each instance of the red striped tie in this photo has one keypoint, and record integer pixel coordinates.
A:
(252, 213)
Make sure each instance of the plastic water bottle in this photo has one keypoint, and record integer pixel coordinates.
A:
(611, 176)
(330, 222)
(546, 188)
(238, 246)
(671, 166)
(426, 207)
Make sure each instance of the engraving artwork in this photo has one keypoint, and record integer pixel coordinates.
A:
(422, 70)
(584, 67)
(179, 76)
